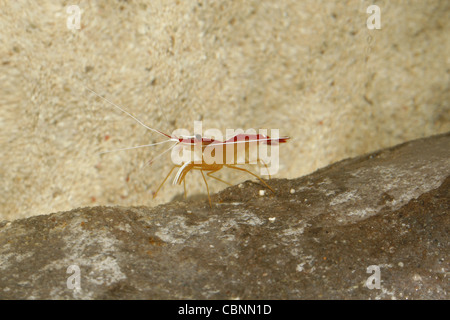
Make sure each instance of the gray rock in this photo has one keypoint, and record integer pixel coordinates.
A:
(314, 239)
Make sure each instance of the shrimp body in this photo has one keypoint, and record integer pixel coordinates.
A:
(227, 154)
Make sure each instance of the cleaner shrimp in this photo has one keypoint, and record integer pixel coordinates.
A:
(212, 155)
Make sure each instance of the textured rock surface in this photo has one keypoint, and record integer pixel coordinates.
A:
(314, 239)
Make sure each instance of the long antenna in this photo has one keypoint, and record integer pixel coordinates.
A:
(136, 147)
(130, 115)
(153, 159)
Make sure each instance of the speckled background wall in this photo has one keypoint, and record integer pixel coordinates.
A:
(309, 68)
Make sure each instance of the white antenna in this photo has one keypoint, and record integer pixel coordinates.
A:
(130, 115)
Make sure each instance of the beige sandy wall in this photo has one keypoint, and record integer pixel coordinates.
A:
(309, 68)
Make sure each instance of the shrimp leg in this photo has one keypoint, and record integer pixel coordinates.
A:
(265, 165)
(154, 195)
(207, 188)
(209, 174)
(253, 174)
